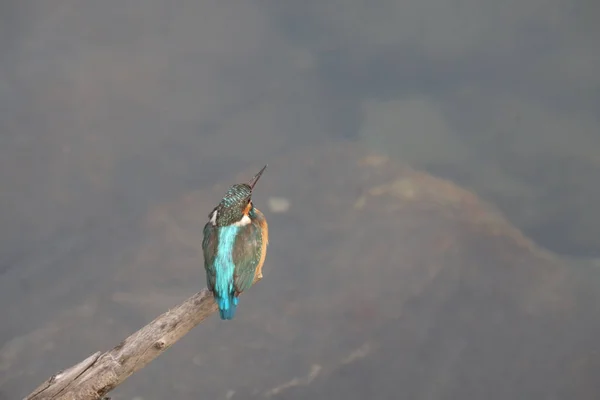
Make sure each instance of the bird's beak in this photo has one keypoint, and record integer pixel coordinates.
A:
(256, 177)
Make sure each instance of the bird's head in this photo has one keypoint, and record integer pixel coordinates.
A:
(236, 206)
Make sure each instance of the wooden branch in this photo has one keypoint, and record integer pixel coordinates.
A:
(98, 374)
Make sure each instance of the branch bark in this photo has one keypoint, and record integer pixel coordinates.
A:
(98, 374)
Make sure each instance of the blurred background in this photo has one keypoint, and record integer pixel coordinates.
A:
(123, 122)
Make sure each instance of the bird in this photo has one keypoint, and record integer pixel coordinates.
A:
(234, 246)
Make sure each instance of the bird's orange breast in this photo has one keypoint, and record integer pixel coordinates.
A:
(264, 227)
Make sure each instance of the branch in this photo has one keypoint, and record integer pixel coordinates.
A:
(98, 374)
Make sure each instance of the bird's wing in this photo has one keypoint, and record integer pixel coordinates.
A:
(246, 256)
(209, 248)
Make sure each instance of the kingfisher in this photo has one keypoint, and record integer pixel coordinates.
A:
(234, 246)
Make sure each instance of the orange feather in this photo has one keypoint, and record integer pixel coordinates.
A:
(264, 227)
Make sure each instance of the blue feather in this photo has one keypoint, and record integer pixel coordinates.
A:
(224, 266)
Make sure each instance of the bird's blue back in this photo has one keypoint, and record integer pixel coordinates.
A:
(225, 269)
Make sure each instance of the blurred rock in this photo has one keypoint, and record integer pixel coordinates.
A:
(380, 281)
(278, 204)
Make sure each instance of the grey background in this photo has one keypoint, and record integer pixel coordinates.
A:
(108, 109)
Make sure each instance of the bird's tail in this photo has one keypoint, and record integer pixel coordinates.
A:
(227, 306)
